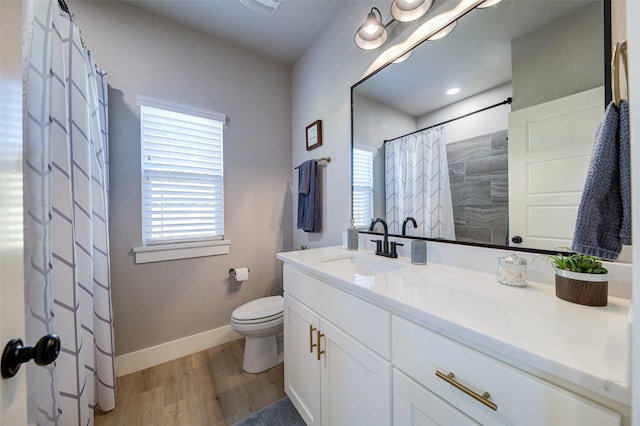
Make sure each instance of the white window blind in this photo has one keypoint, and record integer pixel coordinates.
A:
(182, 173)
(362, 187)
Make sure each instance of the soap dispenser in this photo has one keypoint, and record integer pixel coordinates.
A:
(352, 237)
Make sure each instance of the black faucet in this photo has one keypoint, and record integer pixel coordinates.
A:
(385, 244)
(404, 225)
(382, 247)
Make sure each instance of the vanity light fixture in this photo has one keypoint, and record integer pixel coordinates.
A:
(409, 10)
(372, 34)
(403, 57)
(443, 32)
(453, 91)
(488, 3)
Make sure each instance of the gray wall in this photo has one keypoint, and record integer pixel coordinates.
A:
(553, 62)
(478, 173)
(151, 56)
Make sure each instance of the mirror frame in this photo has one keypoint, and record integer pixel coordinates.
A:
(606, 4)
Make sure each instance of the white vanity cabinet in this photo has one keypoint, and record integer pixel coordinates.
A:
(414, 405)
(331, 376)
(482, 388)
(440, 345)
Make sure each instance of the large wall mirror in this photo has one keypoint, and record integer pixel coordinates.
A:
(502, 161)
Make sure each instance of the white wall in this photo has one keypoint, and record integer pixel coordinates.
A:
(378, 122)
(147, 55)
(632, 35)
(541, 75)
(482, 123)
(321, 88)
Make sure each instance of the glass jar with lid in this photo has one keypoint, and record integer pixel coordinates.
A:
(512, 270)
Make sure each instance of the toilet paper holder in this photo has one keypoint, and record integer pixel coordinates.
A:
(232, 272)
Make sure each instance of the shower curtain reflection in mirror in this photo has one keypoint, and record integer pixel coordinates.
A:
(417, 184)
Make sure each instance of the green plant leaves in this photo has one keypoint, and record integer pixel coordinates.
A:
(581, 263)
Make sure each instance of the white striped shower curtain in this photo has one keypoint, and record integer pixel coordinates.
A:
(417, 185)
(67, 280)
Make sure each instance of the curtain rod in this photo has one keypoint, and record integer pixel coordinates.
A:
(505, 102)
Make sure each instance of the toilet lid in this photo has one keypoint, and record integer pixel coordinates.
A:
(259, 308)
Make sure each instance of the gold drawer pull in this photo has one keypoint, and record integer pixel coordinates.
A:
(311, 344)
(484, 398)
(320, 352)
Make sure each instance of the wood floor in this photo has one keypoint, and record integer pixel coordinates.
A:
(204, 389)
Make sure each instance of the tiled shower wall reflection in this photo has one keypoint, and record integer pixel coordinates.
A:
(479, 188)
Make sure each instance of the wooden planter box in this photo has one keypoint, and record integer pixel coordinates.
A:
(583, 289)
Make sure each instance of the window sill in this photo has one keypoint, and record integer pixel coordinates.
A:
(164, 252)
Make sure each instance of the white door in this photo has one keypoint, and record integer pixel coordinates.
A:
(13, 391)
(549, 151)
(301, 365)
(355, 382)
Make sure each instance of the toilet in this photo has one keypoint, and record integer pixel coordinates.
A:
(261, 322)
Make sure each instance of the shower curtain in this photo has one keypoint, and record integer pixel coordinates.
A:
(67, 281)
(417, 184)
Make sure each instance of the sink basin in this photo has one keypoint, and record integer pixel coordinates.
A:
(347, 264)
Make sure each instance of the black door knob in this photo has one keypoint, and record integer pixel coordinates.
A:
(43, 353)
(517, 239)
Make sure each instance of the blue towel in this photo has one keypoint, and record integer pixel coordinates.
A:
(310, 203)
(625, 173)
(597, 231)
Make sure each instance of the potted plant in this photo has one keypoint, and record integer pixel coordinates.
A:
(581, 279)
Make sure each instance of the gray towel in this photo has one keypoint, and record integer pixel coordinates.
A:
(304, 173)
(599, 218)
(310, 203)
(625, 173)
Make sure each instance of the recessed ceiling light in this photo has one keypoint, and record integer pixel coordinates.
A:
(453, 91)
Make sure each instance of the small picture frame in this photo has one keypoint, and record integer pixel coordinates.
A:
(314, 135)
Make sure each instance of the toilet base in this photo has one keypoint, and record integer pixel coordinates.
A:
(260, 354)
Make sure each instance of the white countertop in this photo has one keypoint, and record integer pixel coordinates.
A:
(526, 326)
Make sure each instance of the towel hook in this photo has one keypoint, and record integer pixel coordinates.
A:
(619, 51)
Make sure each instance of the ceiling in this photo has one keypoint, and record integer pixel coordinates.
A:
(283, 36)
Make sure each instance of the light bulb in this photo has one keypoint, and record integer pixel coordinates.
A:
(371, 29)
(453, 91)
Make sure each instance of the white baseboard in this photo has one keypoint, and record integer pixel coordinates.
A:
(155, 355)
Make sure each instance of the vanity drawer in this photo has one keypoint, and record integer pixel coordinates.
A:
(365, 322)
(519, 398)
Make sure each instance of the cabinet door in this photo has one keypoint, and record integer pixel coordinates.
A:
(355, 382)
(414, 405)
(301, 365)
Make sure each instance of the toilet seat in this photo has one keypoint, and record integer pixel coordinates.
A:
(260, 322)
(259, 311)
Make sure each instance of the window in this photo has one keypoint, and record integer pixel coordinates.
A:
(362, 186)
(182, 173)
